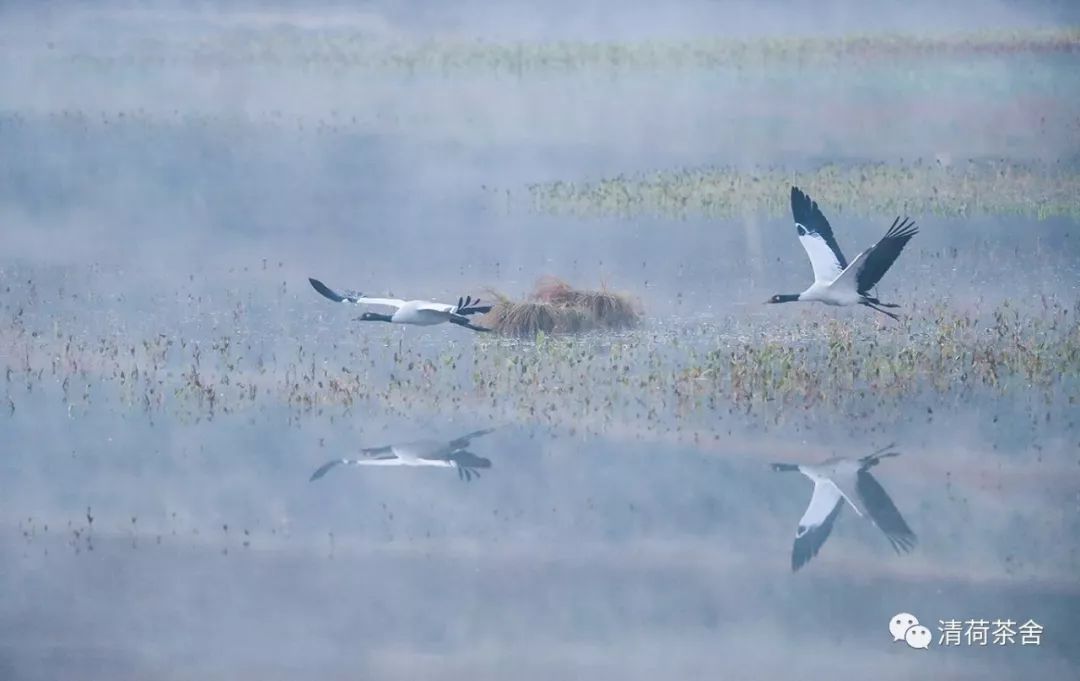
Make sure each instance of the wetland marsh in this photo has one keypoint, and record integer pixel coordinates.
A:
(170, 381)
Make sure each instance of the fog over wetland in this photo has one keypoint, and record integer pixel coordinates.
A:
(172, 175)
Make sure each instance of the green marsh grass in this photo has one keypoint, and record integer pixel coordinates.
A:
(672, 376)
(1024, 189)
(352, 49)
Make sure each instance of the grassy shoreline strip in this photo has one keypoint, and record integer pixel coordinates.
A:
(357, 49)
(1036, 190)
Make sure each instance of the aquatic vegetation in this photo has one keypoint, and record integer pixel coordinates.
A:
(1039, 190)
(554, 306)
(678, 377)
(342, 48)
(954, 353)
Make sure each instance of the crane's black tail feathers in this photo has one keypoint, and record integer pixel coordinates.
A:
(469, 306)
(871, 460)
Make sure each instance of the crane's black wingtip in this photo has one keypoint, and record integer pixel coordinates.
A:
(903, 543)
(325, 291)
(902, 230)
(798, 560)
(804, 210)
(321, 470)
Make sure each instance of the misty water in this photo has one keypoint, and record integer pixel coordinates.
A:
(172, 382)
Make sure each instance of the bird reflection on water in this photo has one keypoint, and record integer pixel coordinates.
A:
(434, 453)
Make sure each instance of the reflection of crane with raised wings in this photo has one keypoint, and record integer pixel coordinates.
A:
(839, 481)
(437, 453)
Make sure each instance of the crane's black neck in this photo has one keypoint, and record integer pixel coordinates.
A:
(373, 317)
(786, 297)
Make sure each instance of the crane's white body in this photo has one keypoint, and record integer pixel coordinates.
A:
(833, 284)
(830, 294)
(830, 479)
(418, 453)
(420, 313)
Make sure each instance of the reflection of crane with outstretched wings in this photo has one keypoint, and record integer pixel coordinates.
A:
(839, 481)
(437, 453)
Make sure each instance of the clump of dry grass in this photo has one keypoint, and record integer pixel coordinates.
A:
(556, 307)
